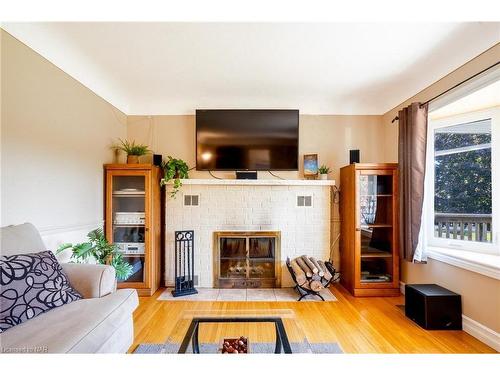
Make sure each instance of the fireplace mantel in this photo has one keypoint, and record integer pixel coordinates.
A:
(275, 182)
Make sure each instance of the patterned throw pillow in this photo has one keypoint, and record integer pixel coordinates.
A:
(31, 284)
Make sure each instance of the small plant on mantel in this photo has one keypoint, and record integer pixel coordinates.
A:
(323, 172)
(133, 150)
(175, 170)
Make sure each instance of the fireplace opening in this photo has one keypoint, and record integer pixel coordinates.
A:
(247, 260)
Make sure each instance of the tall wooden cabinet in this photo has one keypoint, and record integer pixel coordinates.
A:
(369, 210)
(133, 220)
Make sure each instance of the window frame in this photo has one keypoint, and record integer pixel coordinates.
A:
(428, 212)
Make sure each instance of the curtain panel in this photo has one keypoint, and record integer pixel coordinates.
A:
(411, 158)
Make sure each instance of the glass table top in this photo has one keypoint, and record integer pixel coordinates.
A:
(267, 331)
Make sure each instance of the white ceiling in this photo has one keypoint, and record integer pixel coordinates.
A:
(335, 68)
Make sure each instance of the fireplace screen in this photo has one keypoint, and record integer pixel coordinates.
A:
(247, 260)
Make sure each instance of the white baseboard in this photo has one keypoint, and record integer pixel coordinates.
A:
(473, 328)
(481, 332)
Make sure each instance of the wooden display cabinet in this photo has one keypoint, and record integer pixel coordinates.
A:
(133, 217)
(369, 210)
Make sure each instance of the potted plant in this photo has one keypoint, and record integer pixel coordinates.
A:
(99, 249)
(133, 150)
(175, 170)
(323, 172)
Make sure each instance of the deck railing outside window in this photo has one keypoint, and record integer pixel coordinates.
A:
(467, 227)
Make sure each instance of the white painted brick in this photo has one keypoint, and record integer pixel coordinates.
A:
(252, 208)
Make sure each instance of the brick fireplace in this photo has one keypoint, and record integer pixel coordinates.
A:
(296, 212)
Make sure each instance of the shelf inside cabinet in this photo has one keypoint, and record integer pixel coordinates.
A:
(379, 279)
(135, 195)
(129, 192)
(367, 226)
(129, 225)
(375, 254)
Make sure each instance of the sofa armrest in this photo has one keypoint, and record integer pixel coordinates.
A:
(91, 280)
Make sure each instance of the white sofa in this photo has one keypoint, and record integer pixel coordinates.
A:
(101, 322)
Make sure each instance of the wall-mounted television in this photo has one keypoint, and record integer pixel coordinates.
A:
(247, 139)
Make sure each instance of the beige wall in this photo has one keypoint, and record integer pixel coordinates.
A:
(480, 294)
(55, 137)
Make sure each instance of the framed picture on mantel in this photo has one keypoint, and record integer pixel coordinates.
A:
(311, 165)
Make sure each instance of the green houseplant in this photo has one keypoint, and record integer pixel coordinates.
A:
(175, 170)
(323, 172)
(99, 249)
(133, 150)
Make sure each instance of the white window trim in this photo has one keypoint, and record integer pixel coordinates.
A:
(484, 264)
(483, 80)
(445, 248)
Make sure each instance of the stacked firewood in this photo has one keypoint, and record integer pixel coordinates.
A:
(310, 272)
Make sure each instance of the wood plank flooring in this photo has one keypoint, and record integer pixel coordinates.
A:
(359, 325)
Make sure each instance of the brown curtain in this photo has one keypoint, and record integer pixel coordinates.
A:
(412, 145)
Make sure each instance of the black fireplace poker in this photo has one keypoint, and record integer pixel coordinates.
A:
(184, 264)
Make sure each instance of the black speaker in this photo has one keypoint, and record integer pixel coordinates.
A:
(157, 160)
(433, 307)
(246, 175)
(353, 156)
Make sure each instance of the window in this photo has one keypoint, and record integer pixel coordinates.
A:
(461, 203)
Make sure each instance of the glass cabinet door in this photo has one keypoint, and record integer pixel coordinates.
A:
(128, 213)
(375, 227)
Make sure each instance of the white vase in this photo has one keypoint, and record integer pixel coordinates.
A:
(323, 176)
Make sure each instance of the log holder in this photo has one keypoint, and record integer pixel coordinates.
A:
(303, 291)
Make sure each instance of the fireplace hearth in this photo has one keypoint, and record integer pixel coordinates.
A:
(247, 259)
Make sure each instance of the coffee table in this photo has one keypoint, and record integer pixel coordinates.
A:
(268, 331)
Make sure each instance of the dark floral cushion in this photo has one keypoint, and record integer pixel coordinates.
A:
(31, 284)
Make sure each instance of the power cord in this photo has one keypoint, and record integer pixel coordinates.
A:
(336, 194)
(211, 174)
(335, 201)
(272, 174)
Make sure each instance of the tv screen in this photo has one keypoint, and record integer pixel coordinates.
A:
(247, 139)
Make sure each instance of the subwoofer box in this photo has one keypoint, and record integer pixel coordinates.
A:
(433, 307)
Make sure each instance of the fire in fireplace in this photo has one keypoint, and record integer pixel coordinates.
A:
(247, 260)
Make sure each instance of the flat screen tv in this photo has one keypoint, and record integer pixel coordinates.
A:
(247, 139)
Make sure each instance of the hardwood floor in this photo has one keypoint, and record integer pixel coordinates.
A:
(359, 325)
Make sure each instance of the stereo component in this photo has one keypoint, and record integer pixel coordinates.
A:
(136, 218)
(130, 247)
